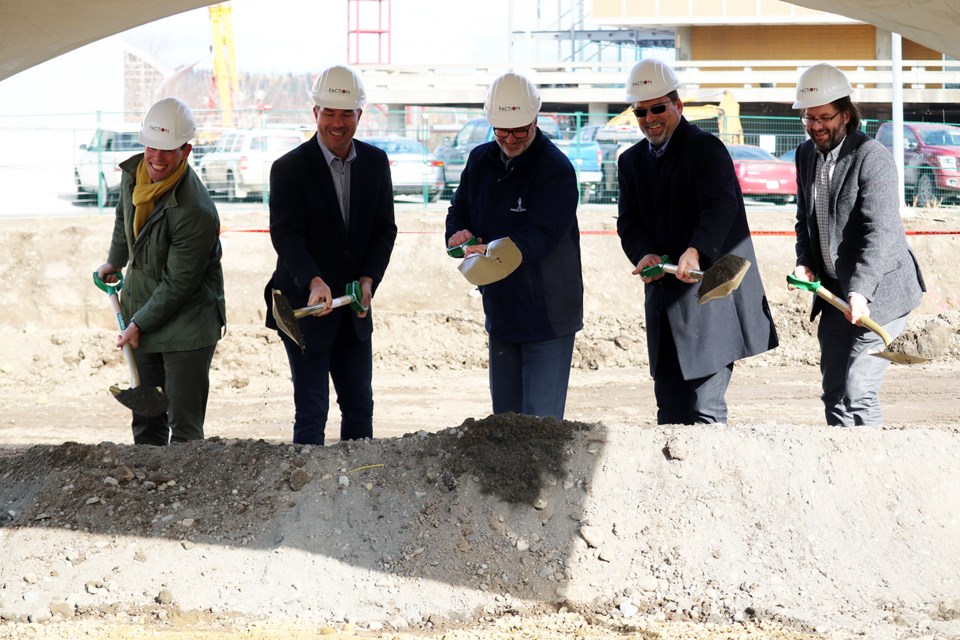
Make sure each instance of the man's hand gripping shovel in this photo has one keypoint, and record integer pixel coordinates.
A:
(718, 281)
(865, 321)
(142, 400)
(287, 317)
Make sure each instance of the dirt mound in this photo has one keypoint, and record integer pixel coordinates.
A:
(504, 514)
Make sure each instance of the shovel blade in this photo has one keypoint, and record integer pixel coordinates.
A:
(722, 278)
(147, 401)
(284, 316)
(900, 358)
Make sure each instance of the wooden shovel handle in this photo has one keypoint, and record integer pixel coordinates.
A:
(866, 321)
(127, 349)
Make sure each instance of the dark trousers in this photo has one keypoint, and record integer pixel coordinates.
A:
(184, 377)
(349, 364)
(679, 401)
(530, 378)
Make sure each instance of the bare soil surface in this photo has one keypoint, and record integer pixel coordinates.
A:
(452, 523)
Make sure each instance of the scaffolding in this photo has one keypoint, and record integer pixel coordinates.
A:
(368, 32)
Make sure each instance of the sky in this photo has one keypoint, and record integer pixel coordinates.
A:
(270, 36)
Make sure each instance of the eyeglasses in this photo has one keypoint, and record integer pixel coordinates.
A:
(807, 120)
(656, 110)
(518, 134)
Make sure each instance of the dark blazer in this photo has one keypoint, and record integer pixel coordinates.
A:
(311, 239)
(867, 240)
(691, 197)
(533, 201)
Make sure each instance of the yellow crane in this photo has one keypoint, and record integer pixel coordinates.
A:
(224, 59)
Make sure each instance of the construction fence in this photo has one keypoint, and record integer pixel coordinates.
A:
(50, 163)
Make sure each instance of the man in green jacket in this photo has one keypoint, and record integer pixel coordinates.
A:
(167, 229)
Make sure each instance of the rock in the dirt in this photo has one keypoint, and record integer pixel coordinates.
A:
(299, 479)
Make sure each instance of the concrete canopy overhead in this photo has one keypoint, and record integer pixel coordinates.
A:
(34, 31)
(932, 23)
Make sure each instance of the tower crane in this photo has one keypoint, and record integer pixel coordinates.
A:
(224, 59)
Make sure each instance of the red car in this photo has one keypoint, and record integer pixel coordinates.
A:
(762, 175)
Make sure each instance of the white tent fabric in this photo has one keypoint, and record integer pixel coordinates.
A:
(33, 31)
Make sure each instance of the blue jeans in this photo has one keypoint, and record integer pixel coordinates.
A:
(349, 363)
(695, 401)
(851, 376)
(530, 378)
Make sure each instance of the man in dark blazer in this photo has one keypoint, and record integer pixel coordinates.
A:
(331, 223)
(679, 196)
(850, 236)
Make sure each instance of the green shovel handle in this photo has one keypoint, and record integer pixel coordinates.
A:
(356, 295)
(458, 251)
(108, 288)
(655, 270)
(811, 285)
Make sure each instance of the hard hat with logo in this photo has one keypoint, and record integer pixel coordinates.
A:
(168, 125)
(512, 101)
(649, 79)
(338, 87)
(821, 84)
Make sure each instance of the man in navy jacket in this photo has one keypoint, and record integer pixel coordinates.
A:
(521, 187)
(331, 223)
(679, 196)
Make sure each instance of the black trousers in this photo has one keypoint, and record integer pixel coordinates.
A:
(679, 401)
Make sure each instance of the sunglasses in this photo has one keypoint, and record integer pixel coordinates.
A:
(656, 110)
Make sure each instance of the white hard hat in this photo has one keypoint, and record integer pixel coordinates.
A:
(512, 101)
(168, 125)
(821, 84)
(338, 87)
(650, 79)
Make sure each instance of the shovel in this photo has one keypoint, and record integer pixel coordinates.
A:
(865, 321)
(147, 401)
(286, 316)
(718, 281)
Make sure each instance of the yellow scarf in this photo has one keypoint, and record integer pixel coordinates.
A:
(145, 192)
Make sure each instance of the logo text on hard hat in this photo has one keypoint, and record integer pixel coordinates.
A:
(642, 82)
(336, 90)
(809, 89)
(158, 128)
(508, 108)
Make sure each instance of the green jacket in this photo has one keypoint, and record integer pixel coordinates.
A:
(173, 287)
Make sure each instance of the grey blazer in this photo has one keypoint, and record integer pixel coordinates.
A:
(867, 241)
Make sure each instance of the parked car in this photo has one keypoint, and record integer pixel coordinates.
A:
(585, 155)
(613, 140)
(412, 167)
(789, 156)
(930, 160)
(239, 166)
(762, 175)
(98, 161)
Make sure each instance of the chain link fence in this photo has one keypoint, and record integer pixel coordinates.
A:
(61, 162)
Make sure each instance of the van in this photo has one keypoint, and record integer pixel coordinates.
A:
(239, 166)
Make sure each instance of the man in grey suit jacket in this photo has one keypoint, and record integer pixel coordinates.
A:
(679, 196)
(331, 223)
(850, 236)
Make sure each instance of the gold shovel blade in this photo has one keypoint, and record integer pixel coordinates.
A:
(285, 318)
(723, 278)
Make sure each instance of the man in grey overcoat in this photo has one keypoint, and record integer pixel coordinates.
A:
(851, 237)
(679, 196)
